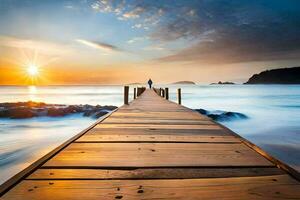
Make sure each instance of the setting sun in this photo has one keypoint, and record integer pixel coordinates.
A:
(32, 70)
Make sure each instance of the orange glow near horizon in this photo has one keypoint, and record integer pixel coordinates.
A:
(31, 68)
(24, 67)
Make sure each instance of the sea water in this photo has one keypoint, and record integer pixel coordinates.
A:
(273, 121)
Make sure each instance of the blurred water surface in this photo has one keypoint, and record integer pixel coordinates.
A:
(273, 117)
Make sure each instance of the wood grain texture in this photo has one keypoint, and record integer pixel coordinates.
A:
(156, 155)
(262, 188)
(156, 131)
(161, 126)
(155, 173)
(156, 138)
(161, 115)
(156, 121)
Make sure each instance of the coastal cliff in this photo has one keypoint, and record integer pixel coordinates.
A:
(277, 76)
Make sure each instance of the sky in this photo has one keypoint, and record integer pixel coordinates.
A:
(124, 41)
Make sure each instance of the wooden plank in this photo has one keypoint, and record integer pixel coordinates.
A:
(156, 155)
(155, 131)
(160, 126)
(263, 188)
(155, 138)
(112, 120)
(154, 107)
(163, 115)
(155, 173)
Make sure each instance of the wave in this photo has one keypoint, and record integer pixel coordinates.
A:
(7, 158)
(221, 116)
(289, 106)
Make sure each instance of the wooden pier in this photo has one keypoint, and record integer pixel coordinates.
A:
(154, 149)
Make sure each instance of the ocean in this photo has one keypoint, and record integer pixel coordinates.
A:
(273, 121)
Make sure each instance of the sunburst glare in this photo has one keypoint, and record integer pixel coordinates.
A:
(32, 70)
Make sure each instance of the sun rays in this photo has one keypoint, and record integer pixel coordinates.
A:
(32, 66)
(33, 70)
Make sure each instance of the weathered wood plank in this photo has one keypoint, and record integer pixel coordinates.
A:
(156, 121)
(155, 138)
(160, 126)
(155, 173)
(112, 120)
(155, 131)
(263, 188)
(156, 155)
(162, 115)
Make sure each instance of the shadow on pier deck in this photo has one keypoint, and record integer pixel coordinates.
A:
(155, 149)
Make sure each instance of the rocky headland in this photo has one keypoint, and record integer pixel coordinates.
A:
(277, 76)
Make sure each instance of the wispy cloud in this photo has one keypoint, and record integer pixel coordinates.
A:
(137, 39)
(135, 13)
(108, 48)
(69, 7)
(157, 47)
(43, 47)
(144, 13)
(108, 6)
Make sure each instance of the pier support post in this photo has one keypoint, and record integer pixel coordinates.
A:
(157, 90)
(126, 91)
(134, 93)
(167, 93)
(138, 91)
(179, 95)
(163, 93)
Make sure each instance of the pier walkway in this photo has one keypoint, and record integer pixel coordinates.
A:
(155, 149)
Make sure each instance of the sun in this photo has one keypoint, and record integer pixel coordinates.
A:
(32, 70)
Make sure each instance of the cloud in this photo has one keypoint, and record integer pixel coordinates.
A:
(43, 47)
(145, 13)
(137, 26)
(99, 45)
(135, 13)
(71, 7)
(108, 6)
(155, 48)
(238, 30)
(137, 39)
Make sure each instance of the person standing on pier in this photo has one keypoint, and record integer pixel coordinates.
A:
(150, 83)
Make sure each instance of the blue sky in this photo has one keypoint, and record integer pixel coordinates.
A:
(200, 35)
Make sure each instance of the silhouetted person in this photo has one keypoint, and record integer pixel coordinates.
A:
(150, 83)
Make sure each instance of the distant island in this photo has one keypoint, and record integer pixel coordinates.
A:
(185, 82)
(134, 84)
(223, 83)
(277, 76)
